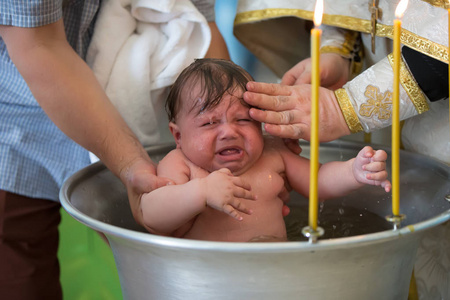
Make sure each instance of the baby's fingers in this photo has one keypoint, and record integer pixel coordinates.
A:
(234, 207)
(380, 178)
(243, 193)
(229, 210)
(377, 176)
(375, 166)
(241, 184)
(379, 155)
(386, 185)
(366, 152)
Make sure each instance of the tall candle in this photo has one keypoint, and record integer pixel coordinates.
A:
(316, 33)
(395, 111)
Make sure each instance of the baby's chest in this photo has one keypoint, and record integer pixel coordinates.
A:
(265, 183)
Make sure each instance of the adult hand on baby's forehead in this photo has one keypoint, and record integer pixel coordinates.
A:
(286, 111)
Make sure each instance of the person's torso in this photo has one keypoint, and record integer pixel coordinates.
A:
(35, 156)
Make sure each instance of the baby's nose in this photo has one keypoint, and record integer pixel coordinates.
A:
(228, 130)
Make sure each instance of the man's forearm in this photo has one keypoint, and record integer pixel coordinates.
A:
(69, 93)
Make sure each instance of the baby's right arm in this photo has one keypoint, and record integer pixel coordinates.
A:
(168, 208)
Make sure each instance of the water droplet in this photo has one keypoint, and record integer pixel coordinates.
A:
(321, 205)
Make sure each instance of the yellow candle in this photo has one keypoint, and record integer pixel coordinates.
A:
(316, 33)
(396, 122)
(401, 7)
(314, 156)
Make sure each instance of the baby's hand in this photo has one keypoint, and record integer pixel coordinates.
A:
(369, 167)
(226, 193)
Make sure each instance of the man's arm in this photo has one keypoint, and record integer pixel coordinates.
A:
(218, 47)
(69, 93)
(364, 103)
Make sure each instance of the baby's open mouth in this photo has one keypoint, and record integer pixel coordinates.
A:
(230, 151)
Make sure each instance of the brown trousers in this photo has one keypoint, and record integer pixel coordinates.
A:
(29, 267)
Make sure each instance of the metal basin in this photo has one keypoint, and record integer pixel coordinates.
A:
(369, 265)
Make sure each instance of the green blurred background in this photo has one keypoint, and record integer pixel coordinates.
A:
(88, 270)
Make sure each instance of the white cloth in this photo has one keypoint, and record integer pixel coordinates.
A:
(429, 133)
(138, 49)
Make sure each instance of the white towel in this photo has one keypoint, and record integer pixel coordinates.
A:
(138, 49)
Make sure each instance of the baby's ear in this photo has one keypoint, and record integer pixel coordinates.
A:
(176, 133)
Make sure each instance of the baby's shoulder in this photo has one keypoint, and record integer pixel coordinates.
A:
(172, 162)
(174, 156)
(177, 162)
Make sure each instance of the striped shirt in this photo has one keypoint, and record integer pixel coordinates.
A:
(35, 156)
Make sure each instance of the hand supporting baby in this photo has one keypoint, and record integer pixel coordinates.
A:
(369, 167)
(225, 192)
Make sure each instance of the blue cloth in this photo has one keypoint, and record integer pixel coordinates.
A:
(35, 156)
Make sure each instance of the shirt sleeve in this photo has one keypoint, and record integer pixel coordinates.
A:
(30, 13)
(206, 8)
(430, 74)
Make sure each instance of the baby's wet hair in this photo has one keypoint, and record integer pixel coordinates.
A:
(214, 76)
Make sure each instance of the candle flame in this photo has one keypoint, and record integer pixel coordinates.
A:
(318, 12)
(401, 7)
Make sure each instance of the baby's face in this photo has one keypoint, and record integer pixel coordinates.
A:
(222, 137)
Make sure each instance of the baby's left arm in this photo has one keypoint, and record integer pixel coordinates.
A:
(338, 178)
(369, 167)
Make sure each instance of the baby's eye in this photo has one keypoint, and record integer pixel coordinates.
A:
(208, 123)
(245, 120)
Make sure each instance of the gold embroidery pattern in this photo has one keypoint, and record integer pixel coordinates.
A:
(348, 111)
(411, 86)
(438, 3)
(333, 20)
(338, 50)
(414, 41)
(269, 13)
(377, 103)
(346, 48)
